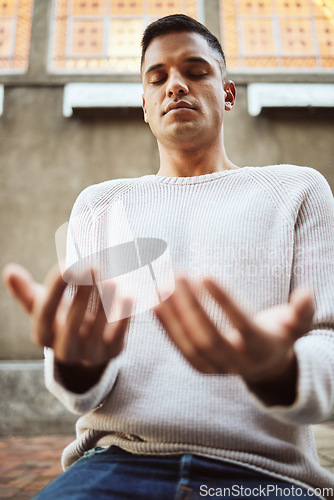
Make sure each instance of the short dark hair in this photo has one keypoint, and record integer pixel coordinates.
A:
(178, 22)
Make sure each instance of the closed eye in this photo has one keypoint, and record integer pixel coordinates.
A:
(157, 77)
(190, 75)
(157, 82)
(197, 75)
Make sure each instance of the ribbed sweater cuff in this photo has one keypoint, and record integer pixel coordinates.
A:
(80, 403)
(315, 386)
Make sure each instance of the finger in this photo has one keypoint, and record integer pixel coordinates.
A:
(105, 299)
(87, 324)
(93, 322)
(52, 274)
(169, 320)
(78, 310)
(239, 318)
(21, 285)
(96, 321)
(43, 332)
(200, 330)
(114, 333)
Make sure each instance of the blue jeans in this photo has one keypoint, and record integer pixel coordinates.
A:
(114, 474)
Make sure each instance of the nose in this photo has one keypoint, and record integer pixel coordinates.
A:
(176, 86)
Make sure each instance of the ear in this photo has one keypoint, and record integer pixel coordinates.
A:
(230, 94)
(144, 109)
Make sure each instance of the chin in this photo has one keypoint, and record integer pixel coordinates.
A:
(184, 129)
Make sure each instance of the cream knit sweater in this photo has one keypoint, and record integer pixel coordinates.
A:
(261, 232)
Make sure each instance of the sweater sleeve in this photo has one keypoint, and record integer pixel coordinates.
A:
(81, 245)
(313, 266)
(80, 403)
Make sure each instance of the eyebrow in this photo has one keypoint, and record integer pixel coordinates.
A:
(187, 60)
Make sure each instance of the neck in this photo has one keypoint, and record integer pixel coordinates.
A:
(189, 162)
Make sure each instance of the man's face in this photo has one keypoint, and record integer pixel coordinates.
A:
(184, 90)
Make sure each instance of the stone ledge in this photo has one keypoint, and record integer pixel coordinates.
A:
(26, 407)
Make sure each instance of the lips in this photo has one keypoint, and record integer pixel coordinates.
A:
(178, 105)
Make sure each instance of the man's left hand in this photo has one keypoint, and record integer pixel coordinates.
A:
(260, 349)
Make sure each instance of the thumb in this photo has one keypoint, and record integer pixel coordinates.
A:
(20, 284)
(303, 306)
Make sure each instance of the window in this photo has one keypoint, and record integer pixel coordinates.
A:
(286, 35)
(15, 29)
(104, 36)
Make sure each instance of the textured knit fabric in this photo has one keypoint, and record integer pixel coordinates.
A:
(260, 232)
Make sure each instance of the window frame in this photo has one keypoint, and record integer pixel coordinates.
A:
(275, 75)
(13, 35)
(107, 20)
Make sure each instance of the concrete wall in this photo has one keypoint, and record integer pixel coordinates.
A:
(298, 136)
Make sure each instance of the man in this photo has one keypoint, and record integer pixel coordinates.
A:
(216, 387)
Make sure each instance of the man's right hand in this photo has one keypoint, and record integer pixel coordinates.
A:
(83, 342)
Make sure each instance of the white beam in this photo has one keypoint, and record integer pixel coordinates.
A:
(272, 95)
(101, 95)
